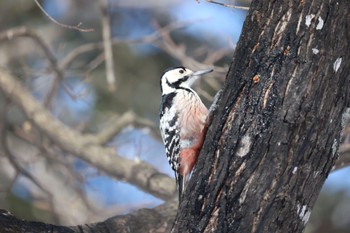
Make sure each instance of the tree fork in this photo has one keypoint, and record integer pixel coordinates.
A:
(275, 133)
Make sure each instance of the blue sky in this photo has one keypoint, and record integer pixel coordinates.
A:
(211, 21)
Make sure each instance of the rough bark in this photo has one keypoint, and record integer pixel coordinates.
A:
(276, 129)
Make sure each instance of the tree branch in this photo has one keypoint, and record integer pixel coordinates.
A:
(158, 219)
(179, 52)
(117, 123)
(141, 174)
(90, 47)
(53, 64)
(76, 27)
(229, 5)
(107, 45)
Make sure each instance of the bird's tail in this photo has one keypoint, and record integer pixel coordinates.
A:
(181, 185)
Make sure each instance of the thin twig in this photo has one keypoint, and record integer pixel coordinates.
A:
(63, 163)
(214, 56)
(68, 60)
(53, 64)
(77, 27)
(94, 63)
(118, 123)
(179, 52)
(230, 6)
(12, 159)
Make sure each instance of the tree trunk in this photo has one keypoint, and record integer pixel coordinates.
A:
(277, 125)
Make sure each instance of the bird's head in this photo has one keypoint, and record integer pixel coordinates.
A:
(179, 77)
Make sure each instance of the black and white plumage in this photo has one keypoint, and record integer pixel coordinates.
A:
(182, 121)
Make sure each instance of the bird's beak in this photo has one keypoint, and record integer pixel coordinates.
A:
(202, 72)
(196, 75)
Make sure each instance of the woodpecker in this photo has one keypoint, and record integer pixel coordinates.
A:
(183, 121)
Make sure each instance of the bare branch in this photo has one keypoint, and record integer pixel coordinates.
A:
(107, 45)
(25, 32)
(179, 52)
(13, 161)
(217, 55)
(17, 165)
(94, 63)
(158, 219)
(152, 38)
(228, 5)
(141, 174)
(117, 123)
(77, 27)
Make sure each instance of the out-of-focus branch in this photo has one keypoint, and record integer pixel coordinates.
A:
(49, 175)
(179, 52)
(141, 174)
(158, 219)
(229, 6)
(67, 61)
(160, 38)
(117, 123)
(90, 47)
(76, 27)
(94, 63)
(107, 45)
(13, 161)
(25, 32)
(4, 148)
(217, 55)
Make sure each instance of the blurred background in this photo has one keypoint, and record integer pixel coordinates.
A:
(38, 180)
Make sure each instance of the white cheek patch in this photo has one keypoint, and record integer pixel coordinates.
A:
(166, 89)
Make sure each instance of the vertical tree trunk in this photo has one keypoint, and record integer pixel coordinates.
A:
(276, 129)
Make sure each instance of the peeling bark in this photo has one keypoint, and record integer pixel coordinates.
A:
(275, 132)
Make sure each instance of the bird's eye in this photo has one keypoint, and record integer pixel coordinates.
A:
(181, 71)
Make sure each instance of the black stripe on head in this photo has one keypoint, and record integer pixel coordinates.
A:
(181, 80)
(177, 84)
